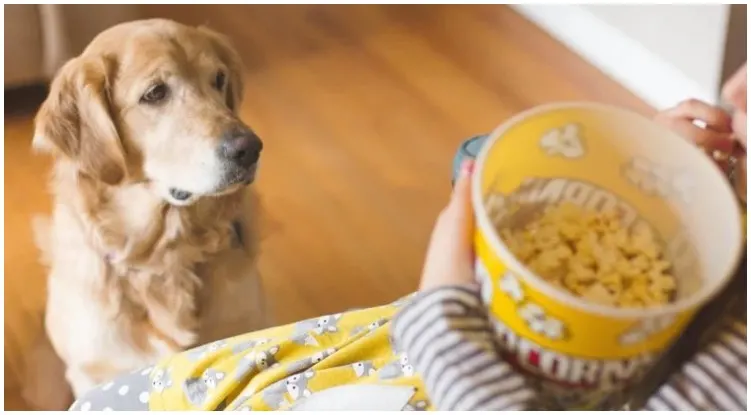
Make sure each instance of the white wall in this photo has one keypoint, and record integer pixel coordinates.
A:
(691, 38)
(663, 53)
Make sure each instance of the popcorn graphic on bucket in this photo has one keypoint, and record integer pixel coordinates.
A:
(658, 234)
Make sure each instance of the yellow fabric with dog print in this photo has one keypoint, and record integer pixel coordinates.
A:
(276, 368)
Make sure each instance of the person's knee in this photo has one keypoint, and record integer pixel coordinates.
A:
(128, 392)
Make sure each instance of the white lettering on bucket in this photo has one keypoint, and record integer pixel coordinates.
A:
(571, 371)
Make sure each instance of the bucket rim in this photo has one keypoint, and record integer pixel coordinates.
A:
(499, 248)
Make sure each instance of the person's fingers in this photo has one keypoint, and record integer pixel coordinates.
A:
(707, 139)
(450, 253)
(739, 128)
(694, 109)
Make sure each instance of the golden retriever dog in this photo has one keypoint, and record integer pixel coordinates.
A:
(151, 246)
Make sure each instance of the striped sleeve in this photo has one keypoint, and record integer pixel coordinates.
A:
(713, 379)
(448, 340)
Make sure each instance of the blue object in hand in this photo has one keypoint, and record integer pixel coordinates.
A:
(468, 149)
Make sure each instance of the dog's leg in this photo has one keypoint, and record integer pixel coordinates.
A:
(44, 386)
(232, 301)
(80, 381)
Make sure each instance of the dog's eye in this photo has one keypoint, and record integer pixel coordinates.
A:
(155, 93)
(220, 80)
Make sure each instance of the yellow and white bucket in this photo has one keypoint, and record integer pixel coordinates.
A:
(600, 157)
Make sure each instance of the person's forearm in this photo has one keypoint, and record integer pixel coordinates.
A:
(447, 337)
(713, 379)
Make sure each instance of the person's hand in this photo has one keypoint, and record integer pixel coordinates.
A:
(450, 256)
(717, 133)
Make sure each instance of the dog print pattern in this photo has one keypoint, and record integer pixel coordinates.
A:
(272, 369)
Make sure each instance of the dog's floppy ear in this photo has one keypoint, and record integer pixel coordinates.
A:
(227, 53)
(75, 120)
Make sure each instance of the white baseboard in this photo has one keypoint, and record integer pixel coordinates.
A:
(643, 72)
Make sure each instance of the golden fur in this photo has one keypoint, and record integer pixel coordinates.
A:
(135, 276)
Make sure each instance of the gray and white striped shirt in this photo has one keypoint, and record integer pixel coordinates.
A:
(448, 338)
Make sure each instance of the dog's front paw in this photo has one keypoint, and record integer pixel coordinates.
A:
(185, 338)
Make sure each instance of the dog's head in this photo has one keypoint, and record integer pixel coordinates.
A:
(153, 101)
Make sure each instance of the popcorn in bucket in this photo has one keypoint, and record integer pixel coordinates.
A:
(599, 235)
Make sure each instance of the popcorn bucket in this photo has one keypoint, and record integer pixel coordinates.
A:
(598, 157)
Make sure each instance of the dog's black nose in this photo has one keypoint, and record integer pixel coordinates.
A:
(241, 147)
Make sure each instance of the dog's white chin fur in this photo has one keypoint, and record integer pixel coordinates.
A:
(196, 197)
(163, 189)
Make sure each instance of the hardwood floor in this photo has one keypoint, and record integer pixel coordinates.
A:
(361, 109)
